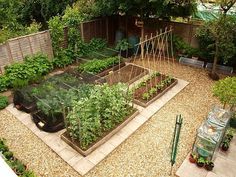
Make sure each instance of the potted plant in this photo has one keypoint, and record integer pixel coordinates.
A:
(225, 145)
(124, 47)
(193, 157)
(200, 162)
(209, 165)
(233, 121)
(229, 136)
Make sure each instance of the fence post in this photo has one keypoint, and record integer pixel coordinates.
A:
(107, 29)
(65, 40)
(9, 52)
(190, 33)
(82, 30)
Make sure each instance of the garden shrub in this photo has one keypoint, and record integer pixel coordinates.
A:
(101, 111)
(3, 102)
(225, 91)
(71, 19)
(64, 58)
(95, 66)
(180, 46)
(15, 29)
(222, 29)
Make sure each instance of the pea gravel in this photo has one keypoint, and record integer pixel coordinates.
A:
(145, 153)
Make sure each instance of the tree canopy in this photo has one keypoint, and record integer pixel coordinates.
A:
(146, 8)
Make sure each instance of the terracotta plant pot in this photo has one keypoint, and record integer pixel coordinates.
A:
(192, 159)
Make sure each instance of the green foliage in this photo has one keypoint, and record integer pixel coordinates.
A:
(71, 19)
(4, 83)
(225, 91)
(56, 30)
(40, 10)
(145, 8)
(15, 29)
(95, 66)
(64, 58)
(201, 160)
(56, 99)
(29, 71)
(122, 45)
(180, 46)
(218, 32)
(152, 91)
(17, 166)
(28, 174)
(8, 155)
(101, 111)
(3, 146)
(3, 102)
(97, 44)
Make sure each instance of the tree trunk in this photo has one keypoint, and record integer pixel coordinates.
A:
(215, 58)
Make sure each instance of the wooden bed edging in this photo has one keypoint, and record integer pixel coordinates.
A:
(100, 142)
(115, 68)
(144, 73)
(156, 97)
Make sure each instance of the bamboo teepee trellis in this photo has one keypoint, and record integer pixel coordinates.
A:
(155, 51)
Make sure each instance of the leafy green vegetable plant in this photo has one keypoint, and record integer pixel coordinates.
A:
(95, 66)
(122, 45)
(3, 102)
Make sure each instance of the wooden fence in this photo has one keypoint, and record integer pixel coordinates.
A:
(99, 28)
(15, 50)
(106, 28)
(185, 30)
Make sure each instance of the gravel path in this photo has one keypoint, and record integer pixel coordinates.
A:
(145, 153)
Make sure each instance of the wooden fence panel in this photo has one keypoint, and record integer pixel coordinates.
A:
(4, 57)
(15, 50)
(94, 29)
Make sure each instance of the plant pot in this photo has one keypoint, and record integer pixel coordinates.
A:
(209, 166)
(192, 159)
(200, 164)
(224, 147)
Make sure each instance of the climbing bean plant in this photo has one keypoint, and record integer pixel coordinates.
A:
(100, 112)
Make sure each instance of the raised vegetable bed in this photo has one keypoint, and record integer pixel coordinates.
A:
(104, 137)
(128, 74)
(92, 119)
(152, 88)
